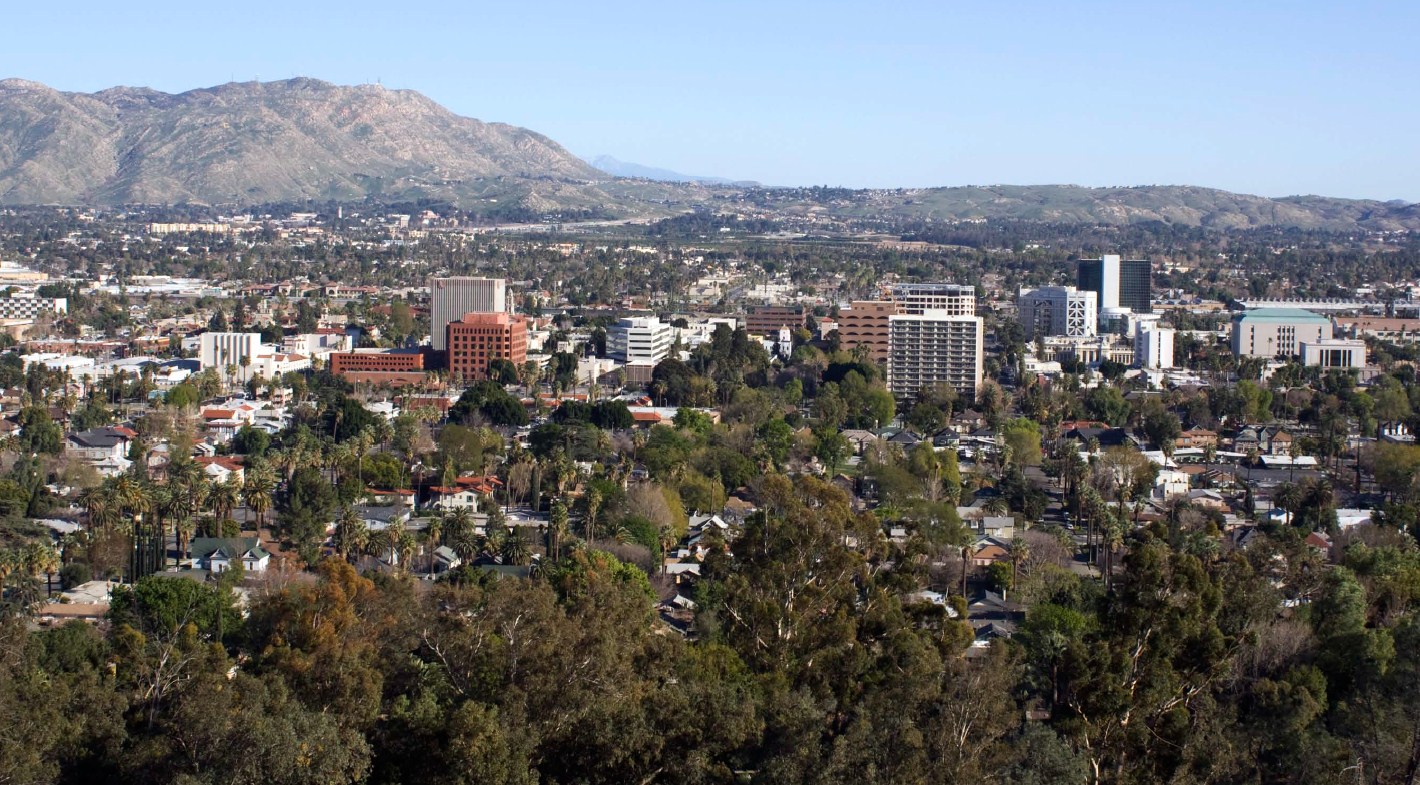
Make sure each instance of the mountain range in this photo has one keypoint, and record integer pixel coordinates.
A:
(255, 142)
(619, 168)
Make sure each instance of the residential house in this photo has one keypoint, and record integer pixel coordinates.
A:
(1196, 438)
(222, 468)
(219, 554)
(988, 550)
(104, 448)
(1265, 439)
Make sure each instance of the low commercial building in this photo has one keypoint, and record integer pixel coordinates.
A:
(376, 361)
(767, 319)
(1277, 332)
(1335, 353)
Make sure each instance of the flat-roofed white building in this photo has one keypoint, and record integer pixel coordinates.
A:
(1153, 347)
(224, 350)
(1335, 353)
(639, 340)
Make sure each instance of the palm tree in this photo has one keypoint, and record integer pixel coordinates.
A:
(1287, 497)
(405, 544)
(996, 505)
(42, 558)
(433, 531)
(99, 505)
(257, 494)
(514, 548)
(593, 501)
(224, 497)
(1020, 551)
(351, 535)
(556, 529)
(185, 527)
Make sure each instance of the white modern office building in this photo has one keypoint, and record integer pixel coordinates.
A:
(1153, 347)
(935, 347)
(451, 298)
(1058, 310)
(224, 350)
(639, 340)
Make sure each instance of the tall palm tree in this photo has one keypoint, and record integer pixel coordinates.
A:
(99, 506)
(257, 494)
(351, 535)
(185, 527)
(1020, 551)
(405, 544)
(433, 532)
(593, 502)
(42, 558)
(224, 497)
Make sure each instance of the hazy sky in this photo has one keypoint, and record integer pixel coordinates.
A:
(1274, 98)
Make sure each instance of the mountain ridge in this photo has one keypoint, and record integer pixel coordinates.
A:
(244, 143)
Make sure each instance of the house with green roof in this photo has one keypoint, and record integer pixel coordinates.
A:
(219, 554)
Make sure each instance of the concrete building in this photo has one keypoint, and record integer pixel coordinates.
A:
(22, 307)
(950, 298)
(451, 298)
(1334, 353)
(1388, 329)
(1058, 310)
(234, 350)
(935, 347)
(1117, 283)
(866, 324)
(1153, 347)
(479, 338)
(639, 340)
(1089, 350)
(1277, 332)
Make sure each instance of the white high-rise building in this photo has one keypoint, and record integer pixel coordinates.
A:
(951, 298)
(1153, 347)
(451, 298)
(640, 340)
(1058, 310)
(935, 347)
(223, 350)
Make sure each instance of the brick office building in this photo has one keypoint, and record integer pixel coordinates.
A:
(479, 338)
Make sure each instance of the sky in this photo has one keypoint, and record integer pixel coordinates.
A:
(1273, 98)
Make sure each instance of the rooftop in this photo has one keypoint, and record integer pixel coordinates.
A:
(1280, 315)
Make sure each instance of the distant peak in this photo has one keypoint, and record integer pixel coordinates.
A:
(24, 84)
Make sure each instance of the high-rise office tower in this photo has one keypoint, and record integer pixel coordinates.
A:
(1118, 283)
(451, 298)
(1058, 310)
